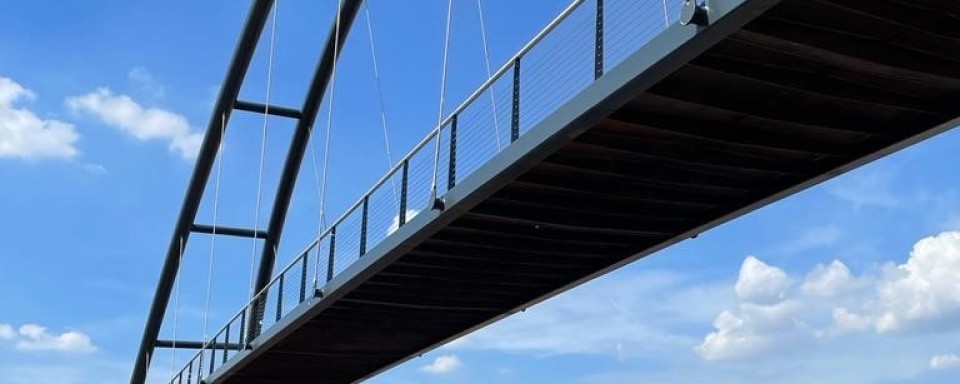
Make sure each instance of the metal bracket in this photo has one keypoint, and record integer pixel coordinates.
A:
(438, 204)
(694, 12)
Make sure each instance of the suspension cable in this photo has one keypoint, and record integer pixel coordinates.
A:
(263, 138)
(326, 144)
(486, 62)
(213, 234)
(443, 90)
(383, 109)
(666, 18)
(316, 179)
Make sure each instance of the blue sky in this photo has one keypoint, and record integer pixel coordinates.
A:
(102, 105)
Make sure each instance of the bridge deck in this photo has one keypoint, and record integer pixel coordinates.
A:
(693, 130)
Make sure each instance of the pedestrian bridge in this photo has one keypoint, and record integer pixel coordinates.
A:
(600, 143)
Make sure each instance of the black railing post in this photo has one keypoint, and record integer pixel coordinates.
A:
(243, 323)
(598, 59)
(279, 295)
(452, 170)
(515, 117)
(259, 315)
(256, 312)
(226, 343)
(200, 366)
(303, 276)
(333, 250)
(402, 219)
(213, 356)
(190, 372)
(363, 226)
(200, 374)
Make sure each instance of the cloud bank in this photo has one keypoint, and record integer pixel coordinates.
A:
(443, 365)
(26, 136)
(33, 337)
(920, 296)
(145, 124)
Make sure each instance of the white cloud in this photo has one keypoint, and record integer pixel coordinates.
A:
(6, 332)
(941, 362)
(145, 124)
(146, 82)
(925, 291)
(921, 295)
(443, 365)
(33, 337)
(760, 283)
(847, 321)
(828, 280)
(25, 135)
(764, 320)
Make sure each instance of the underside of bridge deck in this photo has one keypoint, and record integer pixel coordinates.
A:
(807, 90)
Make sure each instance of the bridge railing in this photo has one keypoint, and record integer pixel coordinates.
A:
(569, 54)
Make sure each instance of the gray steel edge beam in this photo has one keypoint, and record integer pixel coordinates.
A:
(274, 110)
(641, 70)
(301, 138)
(243, 53)
(229, 231)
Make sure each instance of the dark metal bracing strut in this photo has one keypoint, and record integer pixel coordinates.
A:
(301, 138)
(225, 105)
(243, 53)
